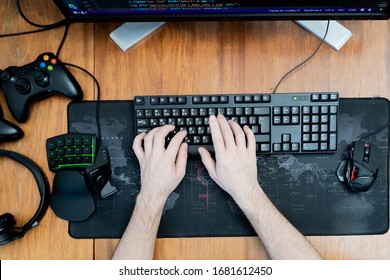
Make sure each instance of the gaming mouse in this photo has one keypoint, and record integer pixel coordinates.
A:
(359, 170)
(71, 199)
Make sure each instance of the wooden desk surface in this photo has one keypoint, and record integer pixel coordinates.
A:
(181, 58)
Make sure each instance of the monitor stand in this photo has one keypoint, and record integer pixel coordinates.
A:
(337, 35)
(131, 33)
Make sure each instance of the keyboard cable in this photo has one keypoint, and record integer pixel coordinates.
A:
(306, 60)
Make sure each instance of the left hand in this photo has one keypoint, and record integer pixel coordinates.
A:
(162, 169)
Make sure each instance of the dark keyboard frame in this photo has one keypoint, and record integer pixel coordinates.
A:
(282, 123)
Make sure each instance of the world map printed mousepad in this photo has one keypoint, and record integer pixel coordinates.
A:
(304, 187)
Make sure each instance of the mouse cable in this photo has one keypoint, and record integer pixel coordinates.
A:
(374, 132)
(99, 133)
(53, 25)
(306, 60)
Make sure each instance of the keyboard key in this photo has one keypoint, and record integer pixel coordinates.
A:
(139, 100)
(262, 111)
(262, 138)
(333, 123)
(310, 147)
(265, 147)
(172, 100)
(181, 100)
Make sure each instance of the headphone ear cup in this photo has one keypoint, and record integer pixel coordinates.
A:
(7, 233)
(7, 221)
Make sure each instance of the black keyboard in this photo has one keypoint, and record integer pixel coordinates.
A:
(282, 123)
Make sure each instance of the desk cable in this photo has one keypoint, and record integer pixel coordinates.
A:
(376, 131)
(42, 27)
(306, 60)
(97, 97)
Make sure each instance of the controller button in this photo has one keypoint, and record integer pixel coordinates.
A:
(5, 76)
(50, 68)
(45, 57)
(53, 61)
(42, 64)
(23, 86)
(42, 78)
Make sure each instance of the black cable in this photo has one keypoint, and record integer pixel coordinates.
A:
(23, 33)
(63, 39)
(99, 133)
(306, 60)
(53, 25)
(374, 132)
(41, 26)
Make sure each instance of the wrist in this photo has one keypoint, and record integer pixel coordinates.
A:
(252, 196)
(151, 200)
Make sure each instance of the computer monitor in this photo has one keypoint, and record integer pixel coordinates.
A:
(169, 10)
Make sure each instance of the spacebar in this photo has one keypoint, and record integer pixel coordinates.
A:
(193, 149)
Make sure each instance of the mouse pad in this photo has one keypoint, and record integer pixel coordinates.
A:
(303, 187)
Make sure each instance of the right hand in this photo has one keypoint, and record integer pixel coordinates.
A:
(235, 167)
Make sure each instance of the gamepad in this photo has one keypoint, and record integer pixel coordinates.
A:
(36, 81)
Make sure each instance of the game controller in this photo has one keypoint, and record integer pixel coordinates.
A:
(36, 81)
(8, 131)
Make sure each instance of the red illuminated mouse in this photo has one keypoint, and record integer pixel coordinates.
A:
(359, 170)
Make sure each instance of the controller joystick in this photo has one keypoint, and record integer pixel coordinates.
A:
(35, 81)
(23, 86)
(42, 78)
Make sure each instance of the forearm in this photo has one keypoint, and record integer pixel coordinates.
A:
(281, 239)
(140, 235)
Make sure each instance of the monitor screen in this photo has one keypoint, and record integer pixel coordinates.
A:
(149, 10)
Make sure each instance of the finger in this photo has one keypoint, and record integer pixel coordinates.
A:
(226, 131)
(137, 146)
(216, 135)
(251, 140)
(161, 134)
(174, 144)
(208, 162)
(181, 161)
(148, 140)
(239, 135)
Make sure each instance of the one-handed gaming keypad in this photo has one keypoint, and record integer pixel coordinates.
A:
(71, 151)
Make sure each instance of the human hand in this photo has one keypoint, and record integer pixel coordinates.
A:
(161, 169)
(235, 168)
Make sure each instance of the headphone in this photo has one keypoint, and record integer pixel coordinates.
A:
(8, 232)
